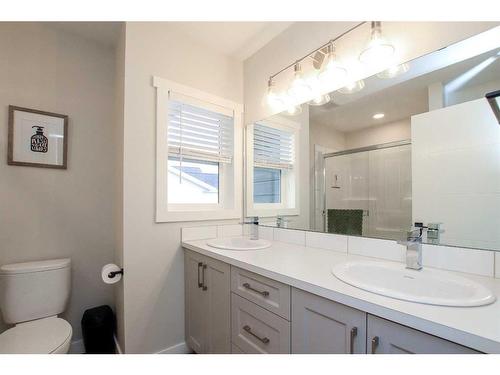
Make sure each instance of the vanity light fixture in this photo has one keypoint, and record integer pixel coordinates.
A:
(394, 71)
(378, 51)
(331, 72)
(378, 116)
(320, 100)
(273, 99)
(352, 87)
(299, 90)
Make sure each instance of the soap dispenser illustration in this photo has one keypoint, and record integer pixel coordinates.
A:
(39, 142)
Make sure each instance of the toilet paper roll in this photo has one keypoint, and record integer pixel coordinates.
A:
(105, 273)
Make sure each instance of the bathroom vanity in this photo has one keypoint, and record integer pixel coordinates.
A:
(285, 299)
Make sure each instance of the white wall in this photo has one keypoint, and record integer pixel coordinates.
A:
(390, 132)
(456, 173)
(118, 187)
(49, 213)
(153, 259)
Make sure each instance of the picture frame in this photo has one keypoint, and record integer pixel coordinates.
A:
(37, 138)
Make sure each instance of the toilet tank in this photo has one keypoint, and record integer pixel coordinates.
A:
(34, 290)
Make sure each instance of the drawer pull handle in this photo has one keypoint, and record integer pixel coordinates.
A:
(204, 285)
(264, 293)
(265, 340)
(375, 341)
(354, 333)
(200, 284)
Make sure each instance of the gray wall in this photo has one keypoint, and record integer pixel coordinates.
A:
(49, 213)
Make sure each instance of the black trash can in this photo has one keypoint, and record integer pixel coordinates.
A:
(98, 327)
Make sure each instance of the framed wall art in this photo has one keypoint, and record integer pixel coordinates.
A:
(37, 138)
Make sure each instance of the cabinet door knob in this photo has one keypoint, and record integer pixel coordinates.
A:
(354, 333)
(375, 342)
(204, 284)
(200, 284)
(264, 340)
(264, 293)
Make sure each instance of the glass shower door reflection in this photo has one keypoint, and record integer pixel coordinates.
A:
(368, 193)
(347, 193)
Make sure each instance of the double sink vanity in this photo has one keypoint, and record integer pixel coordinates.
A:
(258, 296)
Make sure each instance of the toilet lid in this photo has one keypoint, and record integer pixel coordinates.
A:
(41, 336)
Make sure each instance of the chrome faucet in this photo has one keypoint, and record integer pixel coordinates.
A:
(254, 229)
(281, 221)
(413, 245)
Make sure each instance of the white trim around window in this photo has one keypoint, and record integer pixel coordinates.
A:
(290, 186)
(231, 175)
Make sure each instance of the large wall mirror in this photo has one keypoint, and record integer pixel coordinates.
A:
(418, 144)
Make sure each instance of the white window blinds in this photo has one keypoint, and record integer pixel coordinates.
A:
(199, 133)
(272, 147)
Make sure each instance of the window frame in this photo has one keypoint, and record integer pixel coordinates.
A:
(230, 194)
(290, 187)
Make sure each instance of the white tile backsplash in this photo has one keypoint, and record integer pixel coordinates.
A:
(229, 230)
(480, 262)
(327, 241)
(297, 237)
(266, 233)
(376, 248)
(198, 233)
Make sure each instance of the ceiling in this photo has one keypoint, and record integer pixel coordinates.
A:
(239, 40)
(106, 33)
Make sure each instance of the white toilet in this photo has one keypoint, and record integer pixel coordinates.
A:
(32, 294)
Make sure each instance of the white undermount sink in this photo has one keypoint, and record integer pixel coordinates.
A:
(238, 243)
(427, 286)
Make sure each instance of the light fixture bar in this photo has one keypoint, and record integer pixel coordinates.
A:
(317, 50)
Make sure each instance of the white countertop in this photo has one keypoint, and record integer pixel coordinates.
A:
(309, 269)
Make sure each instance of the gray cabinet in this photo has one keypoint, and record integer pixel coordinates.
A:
(386, 337)
(323, 326)
(256, 330)
(207, 304)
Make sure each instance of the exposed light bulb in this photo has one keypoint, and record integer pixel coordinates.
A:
(332, 72)
(394, 71)
(273, 99)
(378, 116)
(320, 100)
(352, 87)
(378, 51)
(299, 90)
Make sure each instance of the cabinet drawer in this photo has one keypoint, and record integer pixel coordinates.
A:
(270, 294)
(256, 330)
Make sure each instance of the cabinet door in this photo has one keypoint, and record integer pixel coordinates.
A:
(322, 326)
(386, 337)
(218, 314)
(196, 302)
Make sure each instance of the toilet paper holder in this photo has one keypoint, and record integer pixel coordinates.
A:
(112, 274)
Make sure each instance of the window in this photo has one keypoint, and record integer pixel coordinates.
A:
(198, 160)
(272, 152)
(266, 185)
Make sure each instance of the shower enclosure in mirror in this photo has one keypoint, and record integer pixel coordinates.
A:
(419, 145)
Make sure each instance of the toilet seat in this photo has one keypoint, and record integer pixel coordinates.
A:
(41, 336)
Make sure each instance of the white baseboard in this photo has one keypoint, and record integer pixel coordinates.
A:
(77, 347)
(180, 348)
